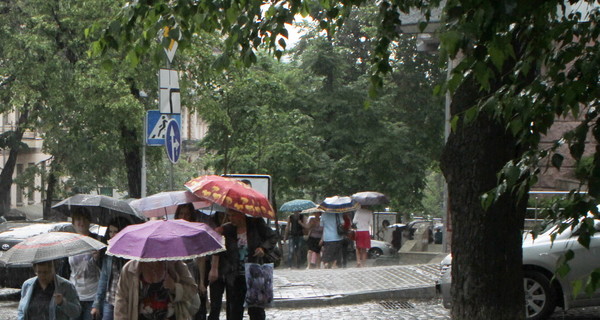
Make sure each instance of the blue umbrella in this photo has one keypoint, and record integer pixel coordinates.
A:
(337, 204)
(297, 205)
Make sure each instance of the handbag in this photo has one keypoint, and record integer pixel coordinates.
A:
(340, 227)
(259, 285)
(273, 256)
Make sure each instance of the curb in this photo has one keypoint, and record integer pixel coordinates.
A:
(7, 294)
(421, 293)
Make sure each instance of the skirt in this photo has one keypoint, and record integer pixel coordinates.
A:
(313, 244)
(363, 239)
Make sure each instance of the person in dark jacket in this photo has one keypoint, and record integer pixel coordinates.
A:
(104, 303)
(294, 232)
(247, 239)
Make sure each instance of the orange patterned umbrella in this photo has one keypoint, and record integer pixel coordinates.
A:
(233, 194)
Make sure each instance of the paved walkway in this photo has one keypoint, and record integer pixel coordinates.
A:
(299, 288)
(404, 292)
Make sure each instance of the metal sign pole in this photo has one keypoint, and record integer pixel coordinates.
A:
(143, 191)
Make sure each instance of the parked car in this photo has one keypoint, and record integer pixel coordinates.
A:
(543, 292)
(13, 232)
(380, 248)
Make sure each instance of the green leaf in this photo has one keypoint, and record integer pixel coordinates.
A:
(487, 199)
(470, 114)
(577, 286)
(232, 14)
(512, 174)
(557, 160)
(132, 58)
(497, 55)
(454, 123)
(563, 270)
(451, 42)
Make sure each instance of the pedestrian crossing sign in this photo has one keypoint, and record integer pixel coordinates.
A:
(156, 126)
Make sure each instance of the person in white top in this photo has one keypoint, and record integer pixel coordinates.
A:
(363, 219)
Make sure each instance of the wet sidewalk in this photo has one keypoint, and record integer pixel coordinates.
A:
(322, 287)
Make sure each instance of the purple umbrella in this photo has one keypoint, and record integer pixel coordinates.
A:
(161, 240)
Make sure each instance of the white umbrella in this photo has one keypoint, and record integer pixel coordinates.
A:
(49, 246)
(166, 203)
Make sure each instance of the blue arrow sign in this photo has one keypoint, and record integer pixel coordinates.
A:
(173, 141)
(156, 126)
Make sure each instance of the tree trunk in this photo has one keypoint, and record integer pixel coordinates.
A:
(133, 161)
(487, 278)
(48, 213)
(6, 177)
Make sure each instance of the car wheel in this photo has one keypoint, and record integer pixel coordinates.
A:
(375, 253)
(540, 299)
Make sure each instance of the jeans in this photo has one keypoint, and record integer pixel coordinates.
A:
(108, 311)
(295, 245)
(86, 310)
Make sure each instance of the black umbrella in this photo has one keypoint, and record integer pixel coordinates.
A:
(102, 209)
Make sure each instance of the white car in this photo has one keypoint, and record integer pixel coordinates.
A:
(380, 248)
(540, 257)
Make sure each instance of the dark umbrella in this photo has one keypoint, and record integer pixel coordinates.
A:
(370, 198)
(102, 209)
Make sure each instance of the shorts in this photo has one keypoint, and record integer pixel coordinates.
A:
(363, 239)
(332, 251)
(313, 244)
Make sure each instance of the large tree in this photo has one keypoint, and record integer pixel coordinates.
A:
(517, 66)
(89, 117)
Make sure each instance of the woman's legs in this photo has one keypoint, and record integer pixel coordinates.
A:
(217, 288)
(236, 294)
(358, 257)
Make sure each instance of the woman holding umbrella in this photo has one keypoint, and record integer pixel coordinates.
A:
(156, 284)
(156, 290)
(48, 296)
(247, 239)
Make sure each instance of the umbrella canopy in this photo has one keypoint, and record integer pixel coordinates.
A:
(49, 246)
(370, 198)
(233, 194)
(166, 203)
(102, 208)
(297, 205)
(162, 240)
(312, 210)
(337, 204)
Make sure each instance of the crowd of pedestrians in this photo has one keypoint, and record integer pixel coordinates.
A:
(328, 236)
(98, 286)
(95, 285)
